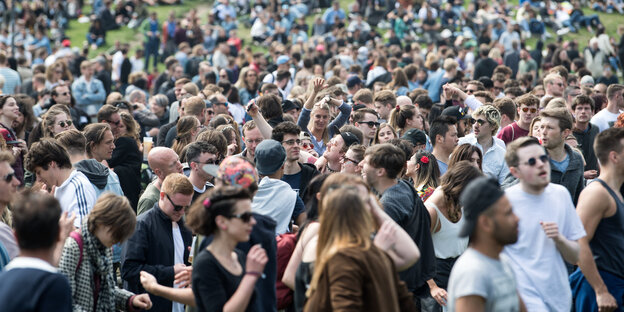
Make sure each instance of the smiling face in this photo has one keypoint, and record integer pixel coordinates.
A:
(349, 163)
(292, 146)
(385, 135)
(7, 189)
(10, 110)
(320, 119)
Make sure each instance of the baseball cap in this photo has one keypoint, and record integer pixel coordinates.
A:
(233, 170)
(477, 197)
(587, 80)
(288, 105)
(282, 59)
(269, 157)
(348, 137)
(66, 43)
(353, 81)
(415, 136)
(457, 112)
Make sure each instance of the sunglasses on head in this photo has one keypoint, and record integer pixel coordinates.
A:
(65, 123)
(532, 161)
(245, 216)
(9, 177)
(526, 109)
(175, 207)
(370, 124)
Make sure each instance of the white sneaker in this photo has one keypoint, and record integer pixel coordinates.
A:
(563, 31)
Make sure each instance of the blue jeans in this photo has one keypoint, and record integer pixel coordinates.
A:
(584, 296)
(151, 49)
(99, 41)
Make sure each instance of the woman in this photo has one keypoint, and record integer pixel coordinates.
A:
(25, 122)
(9, 113)
(423, 169)
(405, 117)
(56, 120)
(232, 136)
(399, 84)
(87, 263)
(247, 85)
(351, 271)
(130, 128)
(467, 152)
(379, 69)
(535, 129)
(222, 279)
(446, 222)
(56, 73)
(188, 127)
(126, 160)
(385, 133)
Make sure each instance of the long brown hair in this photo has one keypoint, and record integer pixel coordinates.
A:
(185, 126)
(454, 181)
(464, 152)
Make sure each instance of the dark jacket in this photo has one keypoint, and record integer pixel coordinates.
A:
(126, 162)
(162, 134)
(105, 77)
(572, 178)
(95, 172)
(150, 249)
(484, 67)
(585, 141)
(308, 171)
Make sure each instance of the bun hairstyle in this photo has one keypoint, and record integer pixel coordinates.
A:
(399, 116)
(219, 201)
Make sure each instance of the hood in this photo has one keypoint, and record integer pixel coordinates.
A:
(95, 172)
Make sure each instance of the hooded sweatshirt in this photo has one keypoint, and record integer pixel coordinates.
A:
(276, 199)
(103, 179)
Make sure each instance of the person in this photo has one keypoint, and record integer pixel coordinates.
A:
(585, 133)
(88, 90)
(406, 117)
(31, 282)
(468, 153)
(615, 103)
(199, 154)
(482, 278)
(221, 277)
(380, 169)
(423, 169)
(597, 283)
(384, 102)
(527, 109)
(447, 219)
(553, 85)
(443, 132)
(331, 161)
(8, 246)
(161, 241)
(50, 162)
(163, 161)
(367, 121)
(87, 259)
(186, 132)
(549, 230)
(351, 159)
(384, 134)
(9, 112)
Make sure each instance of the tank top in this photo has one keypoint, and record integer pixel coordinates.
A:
(607, 245)
(446, 242)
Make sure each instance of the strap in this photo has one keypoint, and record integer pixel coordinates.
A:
(78, 238)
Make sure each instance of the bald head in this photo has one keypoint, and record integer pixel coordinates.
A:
(403, 100)
(164, 161)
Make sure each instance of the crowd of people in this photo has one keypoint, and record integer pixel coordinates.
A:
(390, 156)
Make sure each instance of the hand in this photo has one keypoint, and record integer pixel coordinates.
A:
(252, 109)
(551, 230)
(21, 144)
(142, 302)
(590, 174)
(183, 279)
(386, 236)
(256, 259)
(66, 224)
(231, 149)
(605, 301)
(148, 281)
(317, 84)
(439, 295)
(178, 267)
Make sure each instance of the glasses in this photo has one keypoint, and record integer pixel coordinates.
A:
(208, 162)
(220, 103)
(532, 161)
(116, 123)
(9, 177)
(64, 93)
(122, 105)
(245, 216)
(346, 159)
(470, 91)
(481, 122)
(306, 145)
(67, 123)
(175, 207)
(527, 109)
(292, 142)
(210, 112)
(370, 124)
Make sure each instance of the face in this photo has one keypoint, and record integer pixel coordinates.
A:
(369, 173)
(527, 113)
(87, 70)
(368, 125)
(104, 150)
(177, 90)
(221, 106)
(600, 89)
(7, 189)
(382, 110)
(555, 87)
(234, 226)
(475, 160)
(471, 88)
(537, 130)
(412, 166)
(10, 109)
(450, 139)
(320, 119)
(115, 124)
(498, 87)
(583, 113)
(416, 121)
(385, 135)
(481, 127)
(63, 96)
(536, 176)
(334, 149)
(49, 176)
(349, 164)
(171, 164)
(552, 136)
(253, 137)
(205, 159)
(505, 222)
(167, 203)
(156, 109)
(61, 123)
(104, 235)
(292, 145)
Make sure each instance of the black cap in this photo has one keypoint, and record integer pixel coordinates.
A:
(457, 112)
(477, 197)
(348, 137)
(288, 105)
(358, 107)
(415, 136)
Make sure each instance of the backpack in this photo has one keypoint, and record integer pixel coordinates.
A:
(78, 238)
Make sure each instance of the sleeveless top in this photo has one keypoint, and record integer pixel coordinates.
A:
(607, 245)
(446, 242)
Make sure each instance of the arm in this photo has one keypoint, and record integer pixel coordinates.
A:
(182, 295)
(261, 123)
(569, 249)
(310, 231)
(470, 304)
(97, 97)
(256, 260)
(343, 117)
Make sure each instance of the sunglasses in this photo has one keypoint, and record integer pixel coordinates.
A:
(481, 122)
(306, 145)
(526, 109)
(9, 177)
(64, 93)
(210, 112)
(469, 91)
(67, 123)
(370, 124)
(116, 123)
(292, 142)
(245, 216)
(558, 84)
(175, 207)
(346, 159)
(532, 161)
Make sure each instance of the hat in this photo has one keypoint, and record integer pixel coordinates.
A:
(353, 81)
(234, 170)
(282, 59)
(288, 105)
(66, 43)
(415, 136)
(363, 51)
(270, 156)
(348, 137)
(357, 107)
(445, 34)
(457, 112)
(587, 80)
(478, 196)
(320, 47)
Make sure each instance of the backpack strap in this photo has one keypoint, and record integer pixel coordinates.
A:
(78, 238)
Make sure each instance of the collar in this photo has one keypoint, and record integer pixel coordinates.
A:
(30, 263)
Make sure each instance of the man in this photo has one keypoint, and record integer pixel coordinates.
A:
(110, 114)
(296, 173)
(102, 74)
(193, 106)
(443, 134)
(507, 109)
(252, 137)
(88, 91)
(380, 169)
(385, 101)
(566, 164)
(12, 80)
(364, 97)
(61, 95)
(417, 137)
(219, 104)
(486, 123)
(598, 284)
(8, 188)
(331, 160)
(283, 64)
(527, 110)
(508, 37)
(461, 117)
(570, 93)
(367, 121)
(585, 133)
(275, 198)
(482, 280)
(334, 14)
(199, 154)
(50, 162)
(554, 85)
(354, 84)
(161, 242)
(527, 64)
(615, 103)
(352, 158)
(102, 178)
(550, 229)
(485, 65)
(31, 282)
(163, 161)
(151, 30)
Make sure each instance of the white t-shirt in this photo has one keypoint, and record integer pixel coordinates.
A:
(178, 257)
(538, 266)
(475, 274)
(604, 119)
(77, 195)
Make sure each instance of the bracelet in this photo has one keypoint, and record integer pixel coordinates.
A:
(258, 274)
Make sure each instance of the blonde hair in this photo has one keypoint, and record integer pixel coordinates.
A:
(325, 107)
(49, 118)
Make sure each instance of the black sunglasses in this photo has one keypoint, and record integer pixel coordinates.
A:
(245, 216)
(370, 124)
(175, 207)
(532, 161)
(63, 123)
(9, 177)
(481, 122)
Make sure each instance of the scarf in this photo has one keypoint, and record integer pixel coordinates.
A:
(102, 265)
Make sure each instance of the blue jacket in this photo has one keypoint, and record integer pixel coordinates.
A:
(88, 93)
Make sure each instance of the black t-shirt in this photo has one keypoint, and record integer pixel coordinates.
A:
(213, 285)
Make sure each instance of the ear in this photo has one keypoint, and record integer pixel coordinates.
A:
(566, 133)
(514, 172)
(486, 223)
(381, 172)
(220, 221)
(162, 195)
